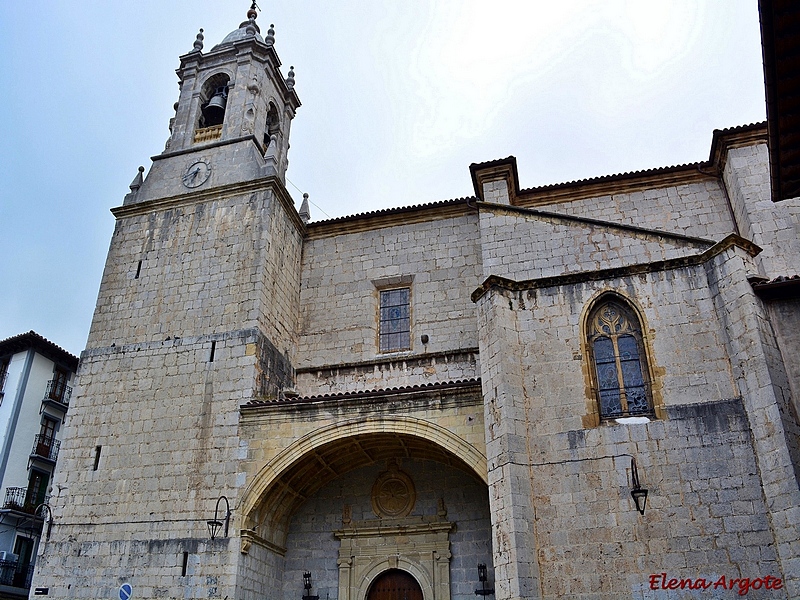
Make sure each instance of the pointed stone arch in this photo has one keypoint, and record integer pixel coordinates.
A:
(639, 330)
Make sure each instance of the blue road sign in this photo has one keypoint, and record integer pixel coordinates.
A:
(125, 591)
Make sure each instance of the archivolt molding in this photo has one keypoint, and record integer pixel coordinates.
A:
(426, 430)
(379, 565)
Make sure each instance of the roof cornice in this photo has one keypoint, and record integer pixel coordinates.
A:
(43, 346)
(411, 392)
(390, 217)
(734, 137)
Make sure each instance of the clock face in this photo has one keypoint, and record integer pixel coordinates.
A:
(196, 174)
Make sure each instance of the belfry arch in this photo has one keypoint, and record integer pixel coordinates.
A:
(317, 458)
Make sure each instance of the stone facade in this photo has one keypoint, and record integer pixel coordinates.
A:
(236, 351)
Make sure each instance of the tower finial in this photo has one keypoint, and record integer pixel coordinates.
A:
(137, 181)
(290, 79)
(270, 39)
(305, 213)
(252, 14)
(198, 42)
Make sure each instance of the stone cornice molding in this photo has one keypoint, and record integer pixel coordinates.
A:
(210, 145)
(736, 137)
(502, 283)
(271, 183)
(249, 537)
(408, 359)
(453, 392)
(389, 527)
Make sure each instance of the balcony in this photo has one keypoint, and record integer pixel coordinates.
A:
(22, 500)
(16, 575)
(207, 134)
(45, 448)
(57, 394)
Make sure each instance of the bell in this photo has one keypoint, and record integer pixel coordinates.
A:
(214, 111)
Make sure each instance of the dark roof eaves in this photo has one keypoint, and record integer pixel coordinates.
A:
(390, 211)
(629, 175)
(411, 389)
(45, 347)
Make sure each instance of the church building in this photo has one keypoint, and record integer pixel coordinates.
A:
(585, 390)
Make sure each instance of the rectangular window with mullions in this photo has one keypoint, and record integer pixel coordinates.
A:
(395, 323)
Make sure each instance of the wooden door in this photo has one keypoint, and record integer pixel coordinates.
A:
(395, 584)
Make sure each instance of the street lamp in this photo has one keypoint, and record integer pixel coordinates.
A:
(307, 587)
(49, 518)
(215, 524)
(638, 493)
(482, 577)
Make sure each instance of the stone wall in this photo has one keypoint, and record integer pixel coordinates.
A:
(705, 516)
(697, 209)
(785, 318)
(554, 476)
(202, 271)
(534, 244)
(342, 275)
(768, 224)
(277, 286)
(164, 417)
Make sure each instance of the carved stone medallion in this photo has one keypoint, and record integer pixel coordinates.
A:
(393, 494)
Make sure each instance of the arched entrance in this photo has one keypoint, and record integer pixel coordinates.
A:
(354, 501)
(395, 584)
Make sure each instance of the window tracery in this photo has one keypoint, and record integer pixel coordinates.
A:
(619, 362)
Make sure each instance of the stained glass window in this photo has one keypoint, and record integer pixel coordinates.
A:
(395, 320)
(615, 343)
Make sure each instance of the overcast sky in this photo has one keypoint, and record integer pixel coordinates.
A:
(399, 97)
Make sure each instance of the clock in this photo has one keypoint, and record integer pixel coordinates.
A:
(196, 174)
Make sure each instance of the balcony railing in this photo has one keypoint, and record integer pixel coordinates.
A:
(207, 134)
(16, 575)
(45, 447)
(58, 391)
(22, 500)
(631, 401)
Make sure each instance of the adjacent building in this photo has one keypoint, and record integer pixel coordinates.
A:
(584, 390)
(35, 385)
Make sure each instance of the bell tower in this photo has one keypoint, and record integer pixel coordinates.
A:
(196, 315)
(233, 114)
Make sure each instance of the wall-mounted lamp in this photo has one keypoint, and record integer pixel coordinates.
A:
(215, 524)
(48, 520)
(638, 493)
(482, 577)
(307, 587)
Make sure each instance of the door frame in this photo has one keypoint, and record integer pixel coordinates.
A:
(392, 571)
(416, 545)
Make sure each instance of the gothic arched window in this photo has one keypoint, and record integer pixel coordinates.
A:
(618, 358)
